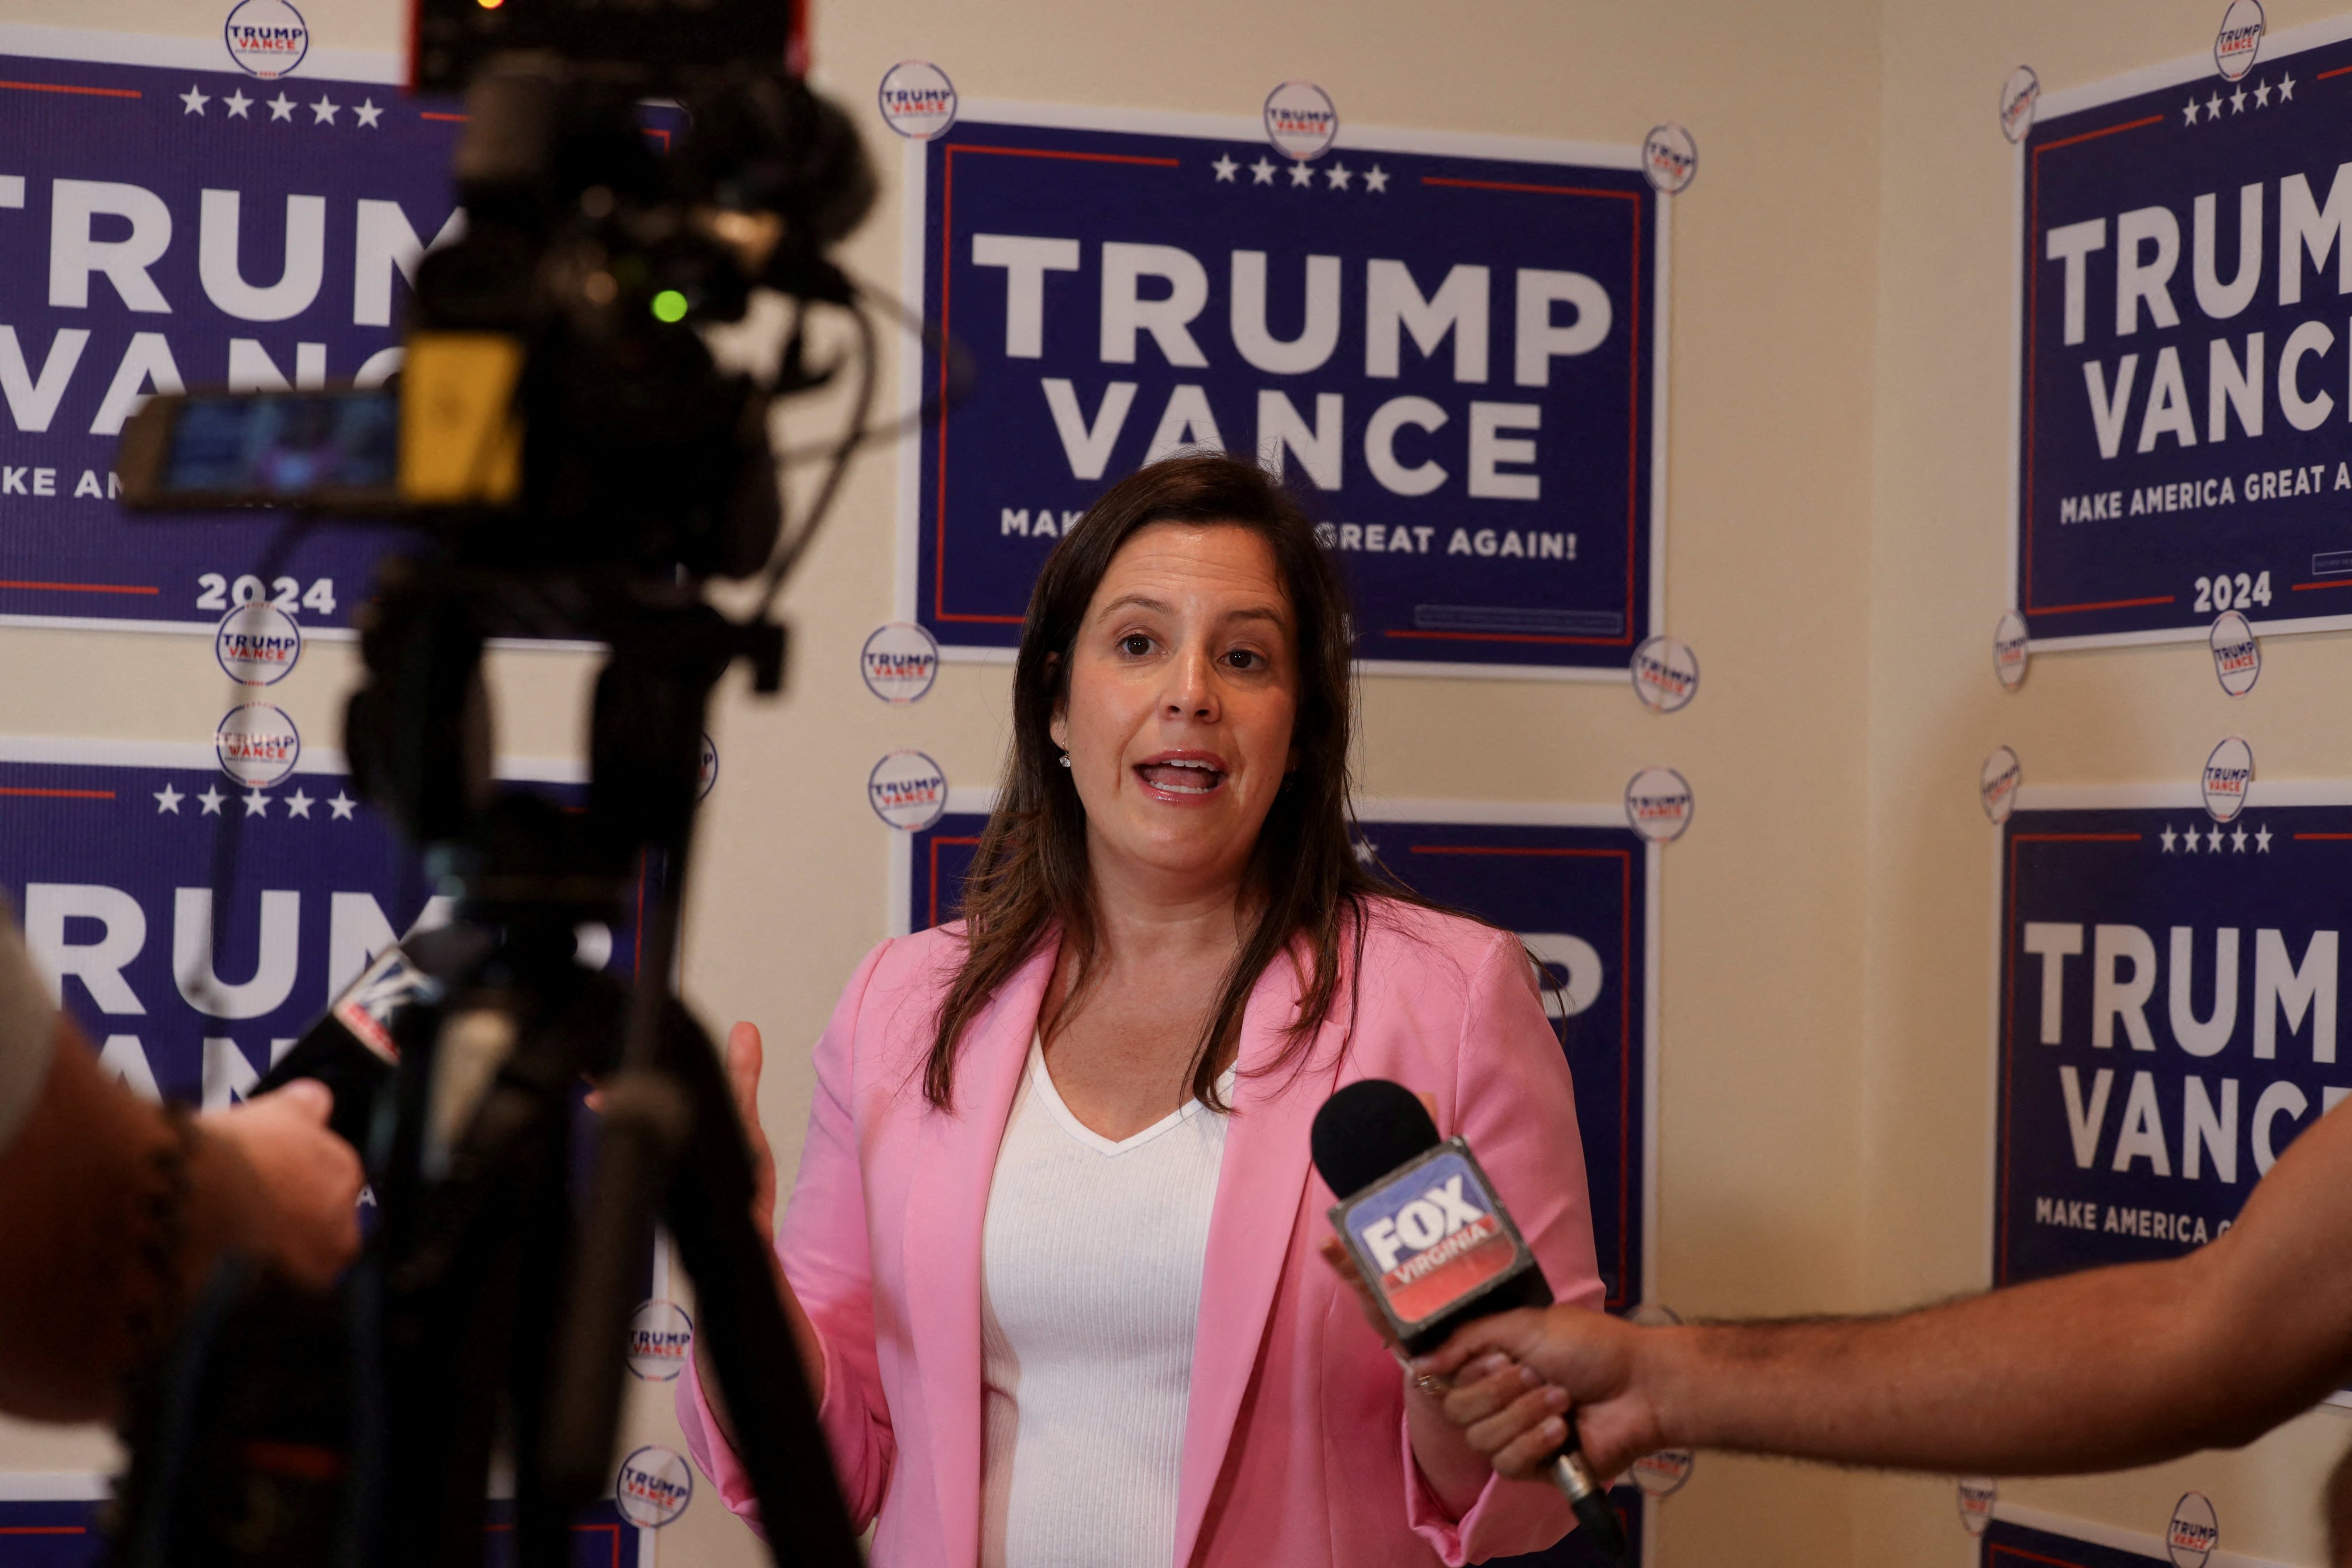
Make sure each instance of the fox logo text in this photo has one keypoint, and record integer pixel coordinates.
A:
(268, 37)
(1432, 1236)
(652, 1488)
(2229, 773)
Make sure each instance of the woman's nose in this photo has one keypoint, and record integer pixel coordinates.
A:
(1191, 692)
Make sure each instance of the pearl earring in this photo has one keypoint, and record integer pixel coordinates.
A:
(1065, 759)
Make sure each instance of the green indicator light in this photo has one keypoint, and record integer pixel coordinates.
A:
(669, 305)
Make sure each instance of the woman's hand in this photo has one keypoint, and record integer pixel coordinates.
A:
(744, 1057)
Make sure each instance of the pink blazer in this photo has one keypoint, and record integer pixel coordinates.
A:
(1295, 1445)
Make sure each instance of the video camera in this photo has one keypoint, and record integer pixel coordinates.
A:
(572, 462)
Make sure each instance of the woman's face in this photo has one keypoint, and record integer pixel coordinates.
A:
(1183, 689)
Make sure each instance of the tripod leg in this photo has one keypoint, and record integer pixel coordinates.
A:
(709, 1211)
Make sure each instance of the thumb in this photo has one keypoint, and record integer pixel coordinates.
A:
(744, 1057)
(308, 1098)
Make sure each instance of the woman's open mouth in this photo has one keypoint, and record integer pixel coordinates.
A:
(1182, 773)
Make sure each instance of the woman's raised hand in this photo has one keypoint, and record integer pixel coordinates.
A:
(744, 1056)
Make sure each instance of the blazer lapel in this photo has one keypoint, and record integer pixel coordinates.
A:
(1265, 1169)
(947, 1206)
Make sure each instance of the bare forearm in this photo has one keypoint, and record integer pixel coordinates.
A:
(2116, 1367)
(75, 1188)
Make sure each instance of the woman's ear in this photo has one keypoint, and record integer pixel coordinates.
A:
(1058, 727)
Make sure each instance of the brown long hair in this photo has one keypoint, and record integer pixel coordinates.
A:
(1303, 879)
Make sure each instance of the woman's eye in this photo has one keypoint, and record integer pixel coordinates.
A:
(1134, 644)
(1242, 659)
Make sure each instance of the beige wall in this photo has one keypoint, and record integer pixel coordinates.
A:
(1834, 555)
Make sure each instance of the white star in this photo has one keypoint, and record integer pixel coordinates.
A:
(168, 799)
(1261, 171)
(298, 803)
(368, 113)
(2189, 114)
(282, 107)
(1300, 175)
(2213, 106)
(1338, 176)
(342, 806)
(2189, 841)
(2262, 95)
(211, 800)
(237, 104)
(1376, 179)
(323, 111)
(1224, 166)
(2238, 840)
(2238, 102)
(2286, 88)
(2168, 836)
(195, 99)
(2214, 841)
(256, 803)
(1366, 850)
(2263, 841)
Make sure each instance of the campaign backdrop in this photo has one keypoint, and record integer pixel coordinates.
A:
(106, 855)
(1575, 883)
(2170, 1014)
(1452, 346)
(165, 226)
(2183, 409)
(2033, 1538)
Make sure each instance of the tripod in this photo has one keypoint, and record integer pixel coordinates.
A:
(493, 1300)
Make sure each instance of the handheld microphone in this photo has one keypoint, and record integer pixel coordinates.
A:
(1436, 1246)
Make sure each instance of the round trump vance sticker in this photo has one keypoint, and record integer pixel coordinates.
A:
(2193, 1531)
(1658, 804)
(257, 644)
(653, 1487)
(2229, 774)
(2237, 655)
(257, 744)
(1669, 158)
(266, 37)
(1997, 783)
(2019, 95)
(1300, 120)
(661, 1336)
(917, 100)
(2010, 649)
(907, 790)
(1665, 674)
(1977, 1497)
(2238, 43)
(899, 661)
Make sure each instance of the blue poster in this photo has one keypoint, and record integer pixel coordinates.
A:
(1450, 345)
(50, 1533)
(165, 227)
(1577, 887)
(2184, 414)
(107, 854)
(2169, 1016)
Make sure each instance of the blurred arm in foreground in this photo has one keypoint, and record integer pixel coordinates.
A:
(112, 1212)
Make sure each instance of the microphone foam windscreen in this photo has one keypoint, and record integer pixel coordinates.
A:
(1367, 1130)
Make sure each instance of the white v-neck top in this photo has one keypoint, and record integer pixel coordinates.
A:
(1091, 1257)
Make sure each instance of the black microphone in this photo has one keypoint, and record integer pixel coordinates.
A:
(1436, 1246)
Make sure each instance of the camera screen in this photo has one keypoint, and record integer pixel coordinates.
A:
(285, 447)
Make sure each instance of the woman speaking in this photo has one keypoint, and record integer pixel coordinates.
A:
(1051, 1254)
